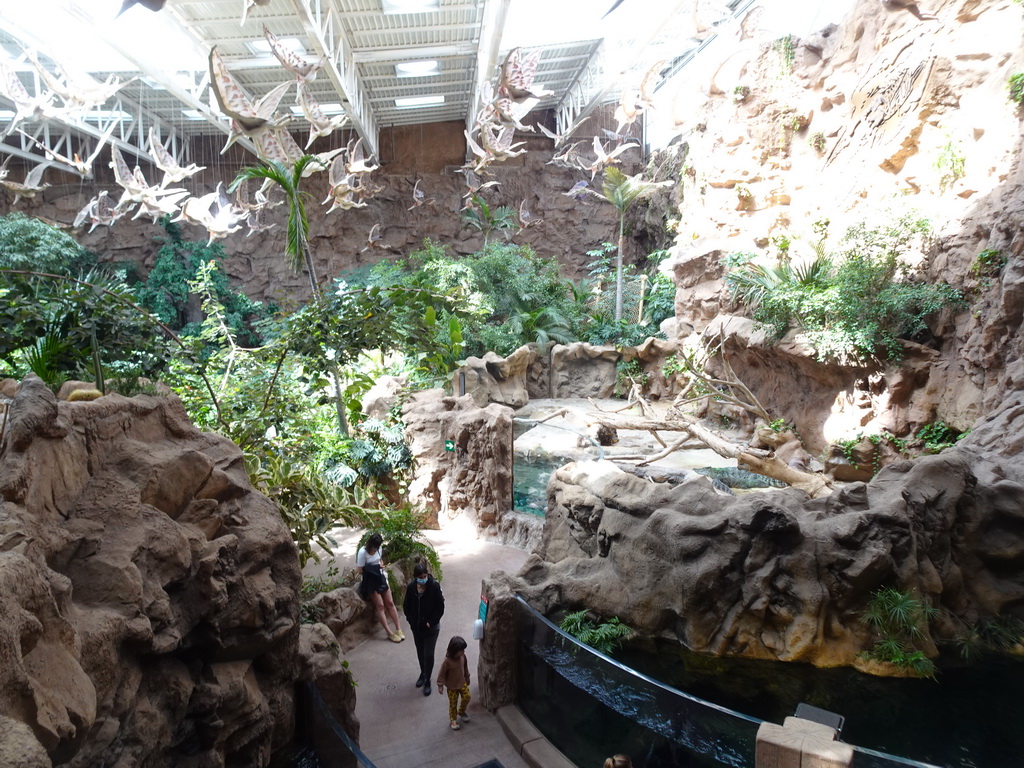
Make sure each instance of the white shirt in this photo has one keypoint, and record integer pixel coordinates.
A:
(364, 558)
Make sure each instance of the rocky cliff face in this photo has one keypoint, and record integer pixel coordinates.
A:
(778, 576)
(148, 595)
(862, 122)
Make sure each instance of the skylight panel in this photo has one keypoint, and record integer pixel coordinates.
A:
(426, 68)
(410, 6)
(419, 101)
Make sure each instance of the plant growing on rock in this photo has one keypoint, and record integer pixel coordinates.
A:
(938, 436)
(1016, 88)
(950, 164)
(899, 621)
(404, 543)
(603, 636)
(988, 263)
(854, 305)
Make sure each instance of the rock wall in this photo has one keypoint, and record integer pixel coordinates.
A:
(148, 595)
(862, 122)
(775, 575)
(475, 476)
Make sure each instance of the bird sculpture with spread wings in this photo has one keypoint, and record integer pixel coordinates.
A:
(30, 187)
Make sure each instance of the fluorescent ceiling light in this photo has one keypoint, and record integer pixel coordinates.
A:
(262, 48)
(418, 101)
(152, 83)
(6, 115)
(410, 6)
(425, 68)
(193, 114)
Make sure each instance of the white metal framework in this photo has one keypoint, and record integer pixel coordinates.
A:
(376, 66)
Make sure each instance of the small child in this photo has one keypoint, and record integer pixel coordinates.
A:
(454, 675)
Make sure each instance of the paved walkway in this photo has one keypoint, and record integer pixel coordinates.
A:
(400, 727)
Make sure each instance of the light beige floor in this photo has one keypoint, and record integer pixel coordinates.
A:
(400, 727)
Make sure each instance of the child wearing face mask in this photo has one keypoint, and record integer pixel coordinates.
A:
(423, 608)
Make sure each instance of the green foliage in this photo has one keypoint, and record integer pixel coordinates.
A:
(31, 244)
(602, 636)
(988, 263)
(309, 505)
(899, 621)
(853, 305)
(167, 292)
(785, 49)
(404, 543)
(950, 163)
(328, 581)
(817, 142)
(938, 436)
(480, 216)
(628, 374)
(849, 446)
(60, 326)
(1016, 87)
(507, 296)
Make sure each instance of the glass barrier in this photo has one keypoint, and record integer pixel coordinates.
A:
(590, 706)
(320, 740)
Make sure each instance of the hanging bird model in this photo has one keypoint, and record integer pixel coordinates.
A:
(83, 167)
(30, 187)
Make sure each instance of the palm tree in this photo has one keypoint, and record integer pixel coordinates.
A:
(622, 191)
(297, 245)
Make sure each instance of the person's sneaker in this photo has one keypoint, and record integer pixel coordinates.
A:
(394, 638)
(401, 634)
(427, 688)
(464, 717)
(420, 681)
(455, 725)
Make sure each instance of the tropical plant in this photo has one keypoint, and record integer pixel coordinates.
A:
(602, 636)
(853, 305)
(1016, 87)
(621, 191)
(480, 216)
(403, 542)
(289, 180)
(309, 505)
(950, 164)
(899, 621)
(938, 436)
(988, 263)
(167, 292)
(31, 244)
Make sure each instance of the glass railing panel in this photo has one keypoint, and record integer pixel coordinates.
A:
(590, 707)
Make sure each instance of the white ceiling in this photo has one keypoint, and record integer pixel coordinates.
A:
(585, 58)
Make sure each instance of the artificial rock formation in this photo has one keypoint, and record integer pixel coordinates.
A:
(148, 595)
(475, 474)
(778, 576)
(881, 115)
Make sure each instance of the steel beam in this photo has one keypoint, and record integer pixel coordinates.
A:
(327, 34)
(493, 17)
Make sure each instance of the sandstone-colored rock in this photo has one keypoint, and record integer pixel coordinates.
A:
(496, 379)
(475, 477)
(744, 576)
(320, 665)
(583, 370)
(140, 623)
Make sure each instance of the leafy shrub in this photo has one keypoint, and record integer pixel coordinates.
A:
(899, 621)
(169, 286)
(29, 243)
(856, 304)
(309, 506)
(605, 636)
(1016, 87)
(988, 263)
(951, 164)
(404, 543)
(938, 436)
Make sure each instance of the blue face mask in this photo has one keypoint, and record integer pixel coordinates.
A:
(421, 581)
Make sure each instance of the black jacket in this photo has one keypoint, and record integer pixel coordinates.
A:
(424, 609)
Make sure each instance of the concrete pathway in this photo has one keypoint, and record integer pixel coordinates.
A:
(400, 727)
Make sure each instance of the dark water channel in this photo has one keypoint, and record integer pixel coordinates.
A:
(971, 716)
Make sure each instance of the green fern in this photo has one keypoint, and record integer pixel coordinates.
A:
(604, 637)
